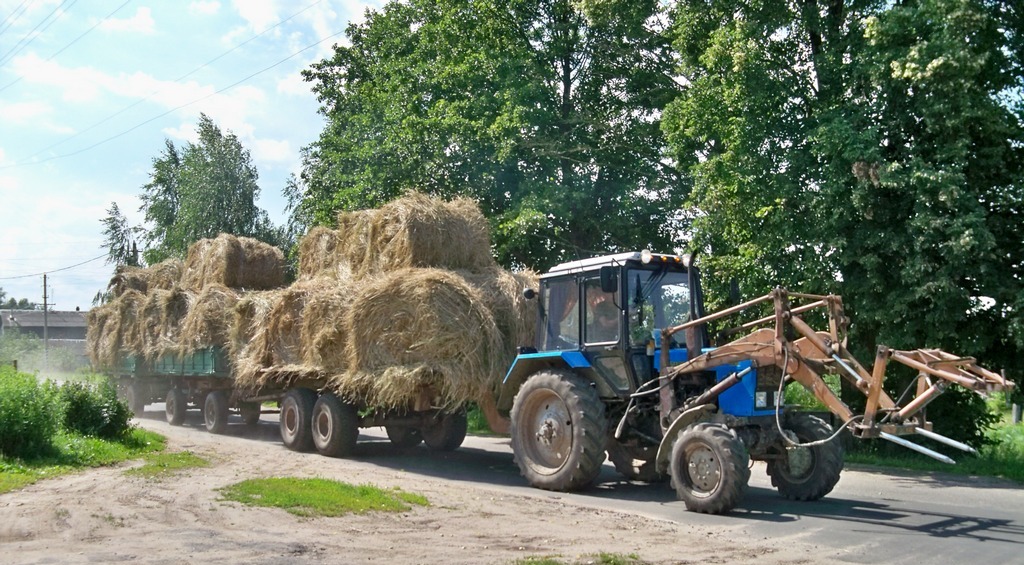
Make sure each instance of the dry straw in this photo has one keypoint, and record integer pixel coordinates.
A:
(163, 275)
(114, 330)
(235, 262)
(159, 322)
(209, 319)
(414, 330)
(323, 333)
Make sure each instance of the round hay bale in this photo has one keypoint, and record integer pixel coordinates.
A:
(249, 323)
(417, 231)
(161, 318)
(163, 275)
(209, 318)
(119, 333)
(515, 316)
(417, 330)
(323, 335)
(96, 322)
(352, 251)
(319, 255)
(235, 262)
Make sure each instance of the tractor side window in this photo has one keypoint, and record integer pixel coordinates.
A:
(560, 322)
(602, 313)
(657, 299)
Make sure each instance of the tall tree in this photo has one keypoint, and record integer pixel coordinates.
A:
(547, 116)
(119, 239)
(866, 147)
(200, 190)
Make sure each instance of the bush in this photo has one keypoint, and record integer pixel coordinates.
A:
(30, 414)
(93, 409)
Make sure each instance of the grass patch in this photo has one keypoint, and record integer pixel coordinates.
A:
(71, 452)
(320, 497)
(160, 465)
(1003, 458)
(599, 559)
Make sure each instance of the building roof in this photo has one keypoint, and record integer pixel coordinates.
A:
(34, 319)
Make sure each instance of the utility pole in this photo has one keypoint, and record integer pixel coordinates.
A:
(46, 329)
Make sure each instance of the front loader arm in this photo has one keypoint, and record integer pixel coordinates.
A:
(815, 353)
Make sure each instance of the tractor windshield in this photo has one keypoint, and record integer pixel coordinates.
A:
(658, 298)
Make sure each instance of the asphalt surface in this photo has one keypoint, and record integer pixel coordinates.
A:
(872, 516)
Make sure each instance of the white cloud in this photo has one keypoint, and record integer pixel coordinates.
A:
(141, 22)
(23, 112)
(294, 85)
(274, 150)
(258, 14)
(204, 8)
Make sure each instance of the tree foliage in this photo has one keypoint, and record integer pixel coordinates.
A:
(15, 304)
(549, 117)
(864, 147)
(201, 190)
(119, 239)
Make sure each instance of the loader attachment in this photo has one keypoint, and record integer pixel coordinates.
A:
(816, 353)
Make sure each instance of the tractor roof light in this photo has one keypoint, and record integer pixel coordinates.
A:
(646, 256)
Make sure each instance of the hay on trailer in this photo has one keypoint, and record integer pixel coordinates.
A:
(249, 322)
(324, 333)
(515, 316)
(163, 275)
(416, 231)
(418, 328)
(235, 262)
(209, 318)
(160, 322)
(319, 256)
(114, 330)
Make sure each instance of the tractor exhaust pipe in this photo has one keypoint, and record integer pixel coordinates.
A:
(913, 446)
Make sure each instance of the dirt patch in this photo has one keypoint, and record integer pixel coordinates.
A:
(104, 516)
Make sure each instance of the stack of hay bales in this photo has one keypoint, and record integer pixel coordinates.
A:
(175, 308)
(393, 303)
(390, 305)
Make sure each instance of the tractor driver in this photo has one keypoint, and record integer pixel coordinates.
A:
(602, 315)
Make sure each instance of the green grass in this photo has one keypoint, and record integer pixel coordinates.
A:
(160, 465)
(599, 559)
(72, 452)
(1003, 458)
(320, 497)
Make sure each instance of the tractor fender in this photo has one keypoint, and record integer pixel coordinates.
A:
(681, 422)
(529, 363)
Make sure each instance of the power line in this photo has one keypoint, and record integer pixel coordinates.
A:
(175, 109)
(13, 16)
(54, 270)
(49, 22)
(182, 77)
(73, 41)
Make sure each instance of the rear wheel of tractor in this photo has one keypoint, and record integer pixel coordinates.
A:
(250, 412)
(403, 436)
(558, 431)
(215, 411)
(297, 419)
(709, 468)
(335, 426)
(807, 473)
(635, 463)
(446, 432)
(175, 406)
(133, 397)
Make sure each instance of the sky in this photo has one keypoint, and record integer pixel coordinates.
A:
(91, 89)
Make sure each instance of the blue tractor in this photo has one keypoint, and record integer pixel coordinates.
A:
(622, 365)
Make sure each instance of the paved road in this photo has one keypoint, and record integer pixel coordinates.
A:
(871, 517)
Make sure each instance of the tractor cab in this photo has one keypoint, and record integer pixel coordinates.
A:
(600, 317)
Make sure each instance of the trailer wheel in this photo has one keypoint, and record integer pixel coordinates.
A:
(174, 407)
(335, 426)
(447, 432)
(634, 463)
(134, 398)
(250, 412)
(709, 468)
(297, 419)
(558, 431)
(404, 436)
(807, 473)
(215, 411)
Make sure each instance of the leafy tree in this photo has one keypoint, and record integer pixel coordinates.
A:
(119, 239)
(549, 117)
(864, 147)
(200, 190)
(15, 304)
